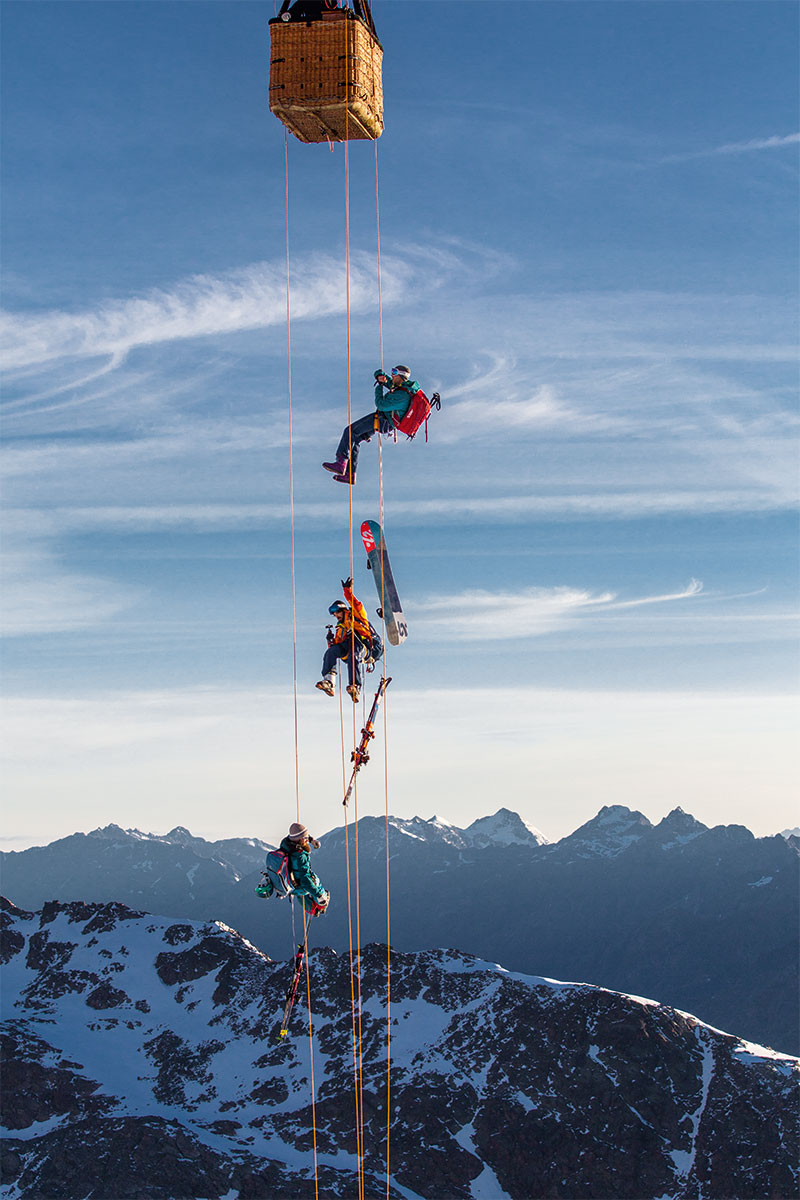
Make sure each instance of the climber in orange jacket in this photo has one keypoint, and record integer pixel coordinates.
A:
(353, 639)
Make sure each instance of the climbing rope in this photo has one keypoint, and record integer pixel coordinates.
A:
(311, 1055)
(385, 701)
(291, 477)
(355, 957)
(294, 644)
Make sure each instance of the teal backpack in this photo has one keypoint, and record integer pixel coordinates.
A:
(277, 879)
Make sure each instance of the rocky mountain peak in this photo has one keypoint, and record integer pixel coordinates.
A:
(179, 834)
(613, 830)
(504, 828)
(678, 827)
(111, 832)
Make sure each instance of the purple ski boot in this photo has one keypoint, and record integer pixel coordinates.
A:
(339, 467)
(346, 476)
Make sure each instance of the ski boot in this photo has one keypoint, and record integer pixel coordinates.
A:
(348, 475)
(354, 691)
(326, 686)
(339, 467)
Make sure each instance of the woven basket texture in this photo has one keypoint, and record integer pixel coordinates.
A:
(325, 79)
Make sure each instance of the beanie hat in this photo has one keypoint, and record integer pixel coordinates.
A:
(297, 832)
(404, 371)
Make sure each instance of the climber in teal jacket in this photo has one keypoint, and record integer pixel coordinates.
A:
(307, 887)
(392, 398)
(394, 395)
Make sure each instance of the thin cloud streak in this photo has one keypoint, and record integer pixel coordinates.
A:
(511, 509)
(252, 297)
(776, 142)
(478, 615)
(199, 307)
(694, 588)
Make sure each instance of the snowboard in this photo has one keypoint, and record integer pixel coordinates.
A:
(378, 563)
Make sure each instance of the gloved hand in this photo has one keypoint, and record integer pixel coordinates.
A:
(347, 583)
(382, 377)
(313, 842)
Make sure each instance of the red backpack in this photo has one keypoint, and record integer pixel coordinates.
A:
(418, 412)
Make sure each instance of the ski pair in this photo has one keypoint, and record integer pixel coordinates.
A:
(291, 991)
(361, 753)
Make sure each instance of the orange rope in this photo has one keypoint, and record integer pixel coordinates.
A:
(359, 1148)
(358, 978)
(311, 1056)
(385, 713)
(294, 643)
(378, 237)
(291, 478)
(388, 946)
(359, 1097)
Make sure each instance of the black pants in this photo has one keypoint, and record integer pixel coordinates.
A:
(358, 432)
(344, 650)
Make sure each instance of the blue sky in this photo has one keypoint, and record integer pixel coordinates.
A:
(588, 235)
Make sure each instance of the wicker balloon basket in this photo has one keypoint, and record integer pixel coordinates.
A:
(325, 78)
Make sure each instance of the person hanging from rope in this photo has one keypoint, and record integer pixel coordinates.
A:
(391, 405)
(353, 640)
(309, 891)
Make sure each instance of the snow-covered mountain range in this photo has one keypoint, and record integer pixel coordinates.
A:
(141, 1060)
(703, 919)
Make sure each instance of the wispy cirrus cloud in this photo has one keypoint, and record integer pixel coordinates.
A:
(201, 306)
(252, 297)
(509, 509)
(775, 142)
(693, 588)
(480, 615)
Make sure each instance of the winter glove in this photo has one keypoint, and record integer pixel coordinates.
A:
(347, 583)
(382, 377)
